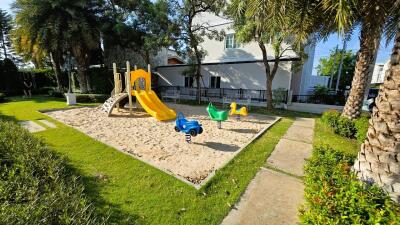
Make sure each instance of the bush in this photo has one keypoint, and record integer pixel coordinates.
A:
(54, 92)
(331, 118)
(335, 196)
(2, 97)
(91, 98)
(345, 127)
(102, 80)
(36, 186)
(361, 125)
(11, 81)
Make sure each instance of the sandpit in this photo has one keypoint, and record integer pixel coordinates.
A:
(158, 144)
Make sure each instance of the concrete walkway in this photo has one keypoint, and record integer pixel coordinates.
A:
(273, 197)
(34, 127)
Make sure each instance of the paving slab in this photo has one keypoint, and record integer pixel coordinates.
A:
(290, 156)
(271, 198)
(48, 123)
(304, 122)
(31, 126)
(300, 133)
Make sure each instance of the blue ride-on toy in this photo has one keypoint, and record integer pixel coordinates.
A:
(192, 127)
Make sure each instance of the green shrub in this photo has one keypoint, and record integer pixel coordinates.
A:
(2, 97)
(331, 118)
(345, 127)
(91, 98)
(54, 92)
(361, 125)
(36, 186)
(102, 80)
(335, 196)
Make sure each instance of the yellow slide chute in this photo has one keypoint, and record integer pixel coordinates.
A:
(147, 98)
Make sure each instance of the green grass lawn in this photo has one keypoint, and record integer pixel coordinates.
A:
(136, 193)
(324, 135)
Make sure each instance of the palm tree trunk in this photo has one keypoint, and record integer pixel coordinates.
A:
(369, 42)
(378, 160)
(4, 44)
(82, 79)
(80, 54)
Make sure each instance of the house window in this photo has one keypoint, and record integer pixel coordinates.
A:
(215, 82)
(230, 41)
(188, 81)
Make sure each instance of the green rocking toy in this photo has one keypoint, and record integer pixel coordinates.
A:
(217, 115)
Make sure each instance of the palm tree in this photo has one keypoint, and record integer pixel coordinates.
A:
(378, 158)
(60, 26)
(342, 16)
(5, 27)
(372, 16)
(30, 51)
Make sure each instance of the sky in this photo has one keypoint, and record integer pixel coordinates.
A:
(322, 48)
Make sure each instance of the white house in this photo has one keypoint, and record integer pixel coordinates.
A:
(230, 65)
(378, 75)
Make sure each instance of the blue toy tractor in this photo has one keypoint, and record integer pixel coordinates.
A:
(191, 127)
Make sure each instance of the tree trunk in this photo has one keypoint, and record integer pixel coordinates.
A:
(369, 42)
(55, 60)
(82, 60)
(82, 79)
(268, 74)
(378, 160)
(4, 44)
(198, 73)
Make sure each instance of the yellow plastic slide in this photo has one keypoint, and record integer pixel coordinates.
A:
(153, 105)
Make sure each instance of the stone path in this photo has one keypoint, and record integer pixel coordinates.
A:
(273, 197)
(33, 127)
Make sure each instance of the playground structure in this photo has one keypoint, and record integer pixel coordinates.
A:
(138, 85)
(234, 112)
(217, 115)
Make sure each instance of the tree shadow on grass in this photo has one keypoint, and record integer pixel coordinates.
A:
(105, 208)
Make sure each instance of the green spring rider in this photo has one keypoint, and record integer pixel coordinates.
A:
(217, 115)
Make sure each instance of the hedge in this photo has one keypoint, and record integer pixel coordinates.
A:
(2, 97)
(91, 98)
(334, 195)
(36, 185)
(346, 127)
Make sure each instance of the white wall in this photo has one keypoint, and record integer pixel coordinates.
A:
(216, 51)
(242, 75)
(378, 75)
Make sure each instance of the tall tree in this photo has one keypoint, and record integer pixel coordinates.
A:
(59, 26)
(378, 160)
(371, 16)
(330, 66)
(5, 27)
(30, 51)
(193, 30)
(273, 26)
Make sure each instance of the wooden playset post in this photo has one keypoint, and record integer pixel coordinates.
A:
(116, 83)
(149, 72)
(128, 85)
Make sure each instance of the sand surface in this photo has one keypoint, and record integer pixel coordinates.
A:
(157, 142)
